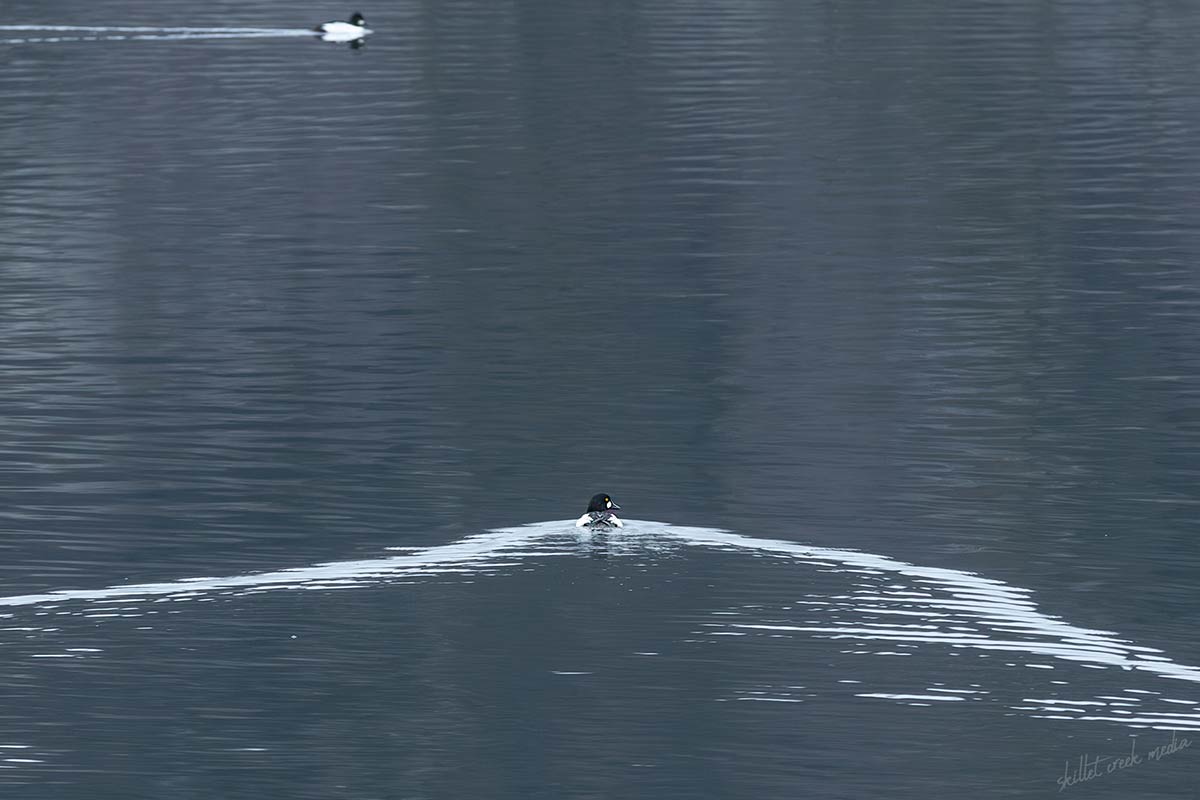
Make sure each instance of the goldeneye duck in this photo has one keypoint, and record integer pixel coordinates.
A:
(357, 26)
(599, 514)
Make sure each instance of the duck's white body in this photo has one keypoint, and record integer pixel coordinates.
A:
(338, 31)
(593, 520)
(343, 29)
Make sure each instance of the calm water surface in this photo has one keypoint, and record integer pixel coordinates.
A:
(883, 320)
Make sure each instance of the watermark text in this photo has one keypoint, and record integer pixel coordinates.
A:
(1091, 767)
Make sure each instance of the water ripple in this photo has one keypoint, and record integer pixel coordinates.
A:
(882, 600)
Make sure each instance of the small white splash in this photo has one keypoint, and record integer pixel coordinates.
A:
(889, 696)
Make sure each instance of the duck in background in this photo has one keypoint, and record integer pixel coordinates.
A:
(337, 31)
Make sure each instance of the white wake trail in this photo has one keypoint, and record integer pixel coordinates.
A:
(108, 33)
(935, 607)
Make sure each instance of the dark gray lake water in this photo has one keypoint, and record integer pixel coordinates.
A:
(884, 319)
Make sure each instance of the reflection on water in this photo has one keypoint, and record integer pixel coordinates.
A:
(882, 600)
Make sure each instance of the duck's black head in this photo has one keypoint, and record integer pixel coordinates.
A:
(357, 19)
(602, 502)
